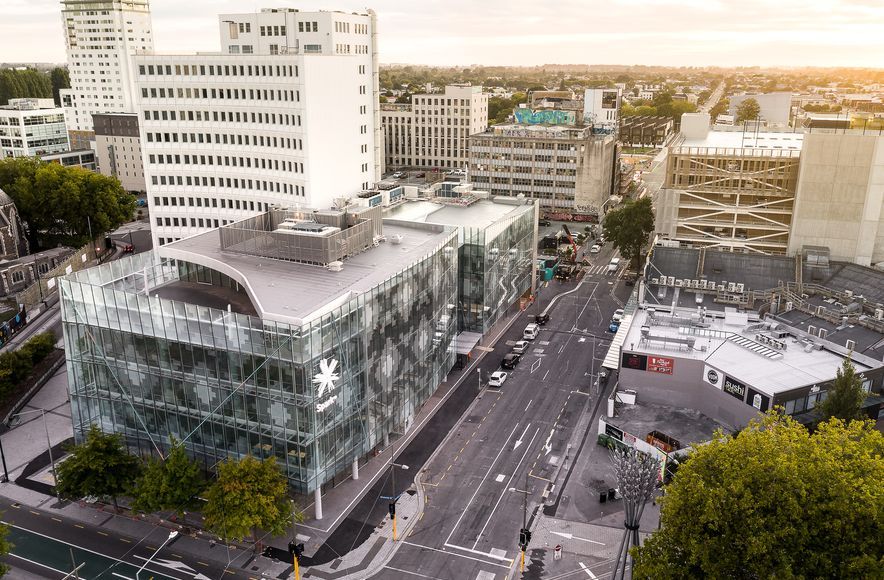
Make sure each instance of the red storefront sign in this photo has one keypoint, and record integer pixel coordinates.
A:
(658, 364)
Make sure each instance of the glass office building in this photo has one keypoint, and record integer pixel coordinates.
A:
(237, 354)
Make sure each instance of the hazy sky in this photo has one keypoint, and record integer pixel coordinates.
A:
(514, 32)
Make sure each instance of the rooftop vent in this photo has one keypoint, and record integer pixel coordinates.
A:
(397, 239)
(336, 266)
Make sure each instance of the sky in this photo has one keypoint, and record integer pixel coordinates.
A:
(522, 32)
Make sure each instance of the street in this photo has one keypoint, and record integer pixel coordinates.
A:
(514, 442)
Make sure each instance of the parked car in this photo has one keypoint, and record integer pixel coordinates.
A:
(497, 379)
(521, 346)
(614, 326)
(530, 332)
(541, 319)
(595, 249)
(510, 360)
(398, 175)
(618, 315)
(613, 265)
(544, 223)
(421, 174)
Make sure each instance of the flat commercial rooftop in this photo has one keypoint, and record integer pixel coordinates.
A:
(480, 214)
(748, 140)
(726, 344)
(294, 293)
(688, 426)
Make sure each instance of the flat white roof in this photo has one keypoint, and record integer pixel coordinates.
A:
(726, 344)
(748, 140)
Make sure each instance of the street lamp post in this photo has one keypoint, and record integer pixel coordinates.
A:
(172, 535)
(48, 447)
(393, 495)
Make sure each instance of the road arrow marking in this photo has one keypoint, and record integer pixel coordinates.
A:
(573, 537)
(519, 442)
(547, 447)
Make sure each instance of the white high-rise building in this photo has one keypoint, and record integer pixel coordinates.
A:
(285, 115)
(434, 130)
(30, 127)
(101, 36)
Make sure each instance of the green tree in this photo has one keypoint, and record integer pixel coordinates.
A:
(60, 79)
(846, 396)
(247, 496)
(774, 501)
(748, 110)
(100, 466)
(168, 484)
(78, 198)
(28, 83)
(628, 228)
(5, 547)
(720, 108)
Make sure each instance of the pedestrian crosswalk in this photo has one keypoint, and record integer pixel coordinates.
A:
(601, 269)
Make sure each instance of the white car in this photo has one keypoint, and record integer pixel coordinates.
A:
(497, 379)
(595, 249)
(521, 346)
(398, 175)
(618, 315)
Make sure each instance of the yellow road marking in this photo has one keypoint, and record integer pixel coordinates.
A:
(125, 540)
(35, 513)
(102, 533)
(56, 520)
(202, 563)
(79, 526)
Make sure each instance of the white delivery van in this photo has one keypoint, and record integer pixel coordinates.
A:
(530, 332)
(613, 265)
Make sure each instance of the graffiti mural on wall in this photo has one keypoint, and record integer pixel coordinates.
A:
(544, 117)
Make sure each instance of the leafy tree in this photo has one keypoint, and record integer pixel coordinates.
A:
(60, 79)
(720, 108)
(78, 198)
(845, 399)
(646, 110)
(247, 496)
(628, 228)
(28, 83)
(5, 547)
(774, 501)
(168, 484)
(101, 467)
(748, 110)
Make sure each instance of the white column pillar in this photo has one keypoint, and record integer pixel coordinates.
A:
(317, 498)
(355, 469)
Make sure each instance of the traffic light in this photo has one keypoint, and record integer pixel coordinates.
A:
(392, 510)
(296, 550)
(524, 538)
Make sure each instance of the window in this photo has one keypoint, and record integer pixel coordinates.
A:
(274, 49)
(18, 277)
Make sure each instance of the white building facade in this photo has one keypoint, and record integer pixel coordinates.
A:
(100, 37)
(285, 115)
(434, 130)
(601, 109)
(30, 127)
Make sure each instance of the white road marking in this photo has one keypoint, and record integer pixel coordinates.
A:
(461, 555)
(588, 571)
(500, 477)
(506, 488)
(412, 573)
(547, 447)
(544, 374)
(36, 563)
(478, 487)
(572, 537)
(522, 436)
(529, 402)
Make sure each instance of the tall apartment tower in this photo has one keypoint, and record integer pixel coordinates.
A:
(286, 115)
(434, 130)
(101, 36)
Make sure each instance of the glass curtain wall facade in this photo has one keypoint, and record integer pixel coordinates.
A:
(231, 385)
(495, 264)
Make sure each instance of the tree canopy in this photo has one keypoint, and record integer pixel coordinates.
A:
(27, 83)
(168, 484)
(248, 495)
(5, 547)
(774, 501)
(500, 108)
(748, 110)
(845, 398)
(77, 197)
(628, 228)
(100, 466)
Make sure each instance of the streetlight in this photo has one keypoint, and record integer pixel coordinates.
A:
(172, 535)
(394, 496)
(48, 446)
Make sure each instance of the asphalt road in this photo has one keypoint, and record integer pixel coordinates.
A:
(513, 440)
(48, 544)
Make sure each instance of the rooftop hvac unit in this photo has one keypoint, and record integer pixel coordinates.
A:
(336, 266)
(850, 345)
(823, 333)
(397, 239)
(879, 313)
(655, 280)
(811, 329)
(695, 283)
(721, 287)
(820, 309)
(789, 306)
(740, 288)
(679, 283)
(671, 280)
(731, 287)
(848, 293)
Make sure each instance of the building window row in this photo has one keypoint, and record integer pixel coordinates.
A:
(272, 30)
(234, 70)
(226, 139)
(227, 161)
(215, 202)
(310, 26)
(248, 185)
(223, 117)
(200, 93)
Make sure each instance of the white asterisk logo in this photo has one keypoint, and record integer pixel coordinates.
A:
(327, 376)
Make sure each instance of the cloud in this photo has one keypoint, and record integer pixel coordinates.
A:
(654, 32)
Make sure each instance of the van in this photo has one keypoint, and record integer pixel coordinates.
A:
(530, 332)
(613, 265)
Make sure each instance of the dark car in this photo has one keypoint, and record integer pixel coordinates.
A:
(511, 360)
(544, 223)
(421, 174)
(541, 319)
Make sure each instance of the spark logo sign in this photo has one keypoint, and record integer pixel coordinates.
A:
(325, 381)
